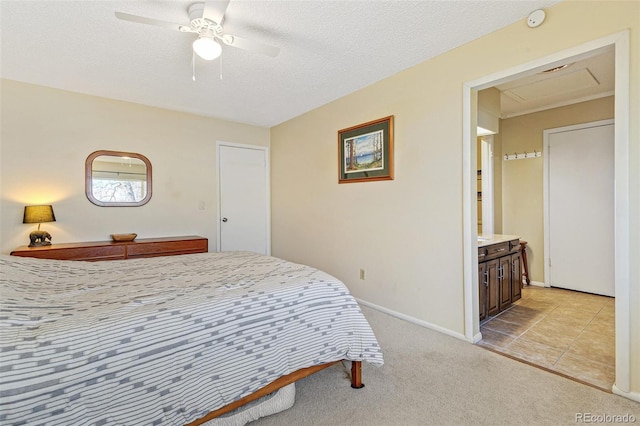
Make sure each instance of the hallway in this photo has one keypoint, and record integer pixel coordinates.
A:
(563, 331)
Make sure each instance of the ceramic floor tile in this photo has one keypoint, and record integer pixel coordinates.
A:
(541, 307)
(606, 315)
(521, 315)
(571, 317)
(558, 326)
(595, 346)
(609, 305)
(580, 306)
(572, 310)
(552, 295)
(602, 375)
(566, 331)
(505, 327)
(533, 352)
(554, 340)
(534, 293)
(494, 338)
(605, 328)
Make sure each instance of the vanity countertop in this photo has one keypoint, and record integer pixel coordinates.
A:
(489, 239)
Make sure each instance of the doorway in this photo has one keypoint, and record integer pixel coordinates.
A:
(570, 333)
(243, 198)
(620, 42)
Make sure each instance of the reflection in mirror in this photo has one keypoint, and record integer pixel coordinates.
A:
(116, 178)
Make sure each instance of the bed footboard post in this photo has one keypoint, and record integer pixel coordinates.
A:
(356, 375)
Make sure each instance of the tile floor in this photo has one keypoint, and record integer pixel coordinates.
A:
(564, 331)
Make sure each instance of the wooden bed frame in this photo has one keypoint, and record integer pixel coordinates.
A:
(356, 383)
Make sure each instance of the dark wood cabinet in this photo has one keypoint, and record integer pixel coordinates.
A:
(499, 277)
(493, 289)
(483, 278)
(516, 277)
(111, 250)
(504, 281)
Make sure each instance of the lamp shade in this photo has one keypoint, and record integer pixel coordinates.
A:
(207, 48)
(38, 214)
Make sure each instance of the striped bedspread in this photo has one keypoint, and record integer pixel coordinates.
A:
(165, 340)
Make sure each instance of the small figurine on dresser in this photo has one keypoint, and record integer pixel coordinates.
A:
(39, 238)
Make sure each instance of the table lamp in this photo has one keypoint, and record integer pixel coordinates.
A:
(39, 214)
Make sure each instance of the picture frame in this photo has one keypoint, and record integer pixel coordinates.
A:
(365, 151)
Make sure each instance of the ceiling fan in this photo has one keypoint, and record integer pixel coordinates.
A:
(206, 19)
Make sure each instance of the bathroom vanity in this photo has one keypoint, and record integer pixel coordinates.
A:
(499, 273)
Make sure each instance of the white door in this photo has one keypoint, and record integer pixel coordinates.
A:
(243, 176)
(581, 207)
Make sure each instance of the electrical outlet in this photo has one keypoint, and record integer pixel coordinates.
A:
(362, 274)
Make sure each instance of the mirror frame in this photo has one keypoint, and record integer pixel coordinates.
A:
(89, 178)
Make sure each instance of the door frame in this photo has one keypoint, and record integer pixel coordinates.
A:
(620, 42)
(488, 217)
(220, 144)
(546, 190)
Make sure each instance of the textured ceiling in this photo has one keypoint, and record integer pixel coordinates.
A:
(328, 49)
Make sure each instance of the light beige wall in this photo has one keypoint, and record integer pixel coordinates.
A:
(47, 134)
(407, 233)
(489, 109)
(522, 202)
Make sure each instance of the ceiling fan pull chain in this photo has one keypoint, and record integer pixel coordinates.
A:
(193, 66)
(220, 67)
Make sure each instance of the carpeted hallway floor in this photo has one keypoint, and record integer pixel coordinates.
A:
(433, 379)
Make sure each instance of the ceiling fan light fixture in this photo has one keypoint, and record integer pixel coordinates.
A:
(207, 48)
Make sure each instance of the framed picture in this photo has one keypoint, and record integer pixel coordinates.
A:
(365, 152)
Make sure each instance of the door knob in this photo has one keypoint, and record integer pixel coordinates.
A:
(224, 219)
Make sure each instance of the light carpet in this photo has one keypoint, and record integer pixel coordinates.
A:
(430, 378)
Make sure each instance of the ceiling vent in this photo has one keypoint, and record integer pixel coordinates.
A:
(556, 69)
(553, 86)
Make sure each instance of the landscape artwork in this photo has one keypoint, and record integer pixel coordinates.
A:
(365, 151)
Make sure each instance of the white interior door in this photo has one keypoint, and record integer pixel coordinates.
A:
(243, 176)
(580, 206)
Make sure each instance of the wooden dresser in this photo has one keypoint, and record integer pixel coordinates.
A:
(110, 250)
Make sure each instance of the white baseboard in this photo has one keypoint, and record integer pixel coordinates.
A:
(419, 321)
(537, 284)
(634, 396)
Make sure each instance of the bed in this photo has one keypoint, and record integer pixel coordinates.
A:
(166, 340)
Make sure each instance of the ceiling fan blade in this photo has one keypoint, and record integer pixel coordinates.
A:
(214, 10)
(252, 46)
(150, 21)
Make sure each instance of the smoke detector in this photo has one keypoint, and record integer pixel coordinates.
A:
(536, 18)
